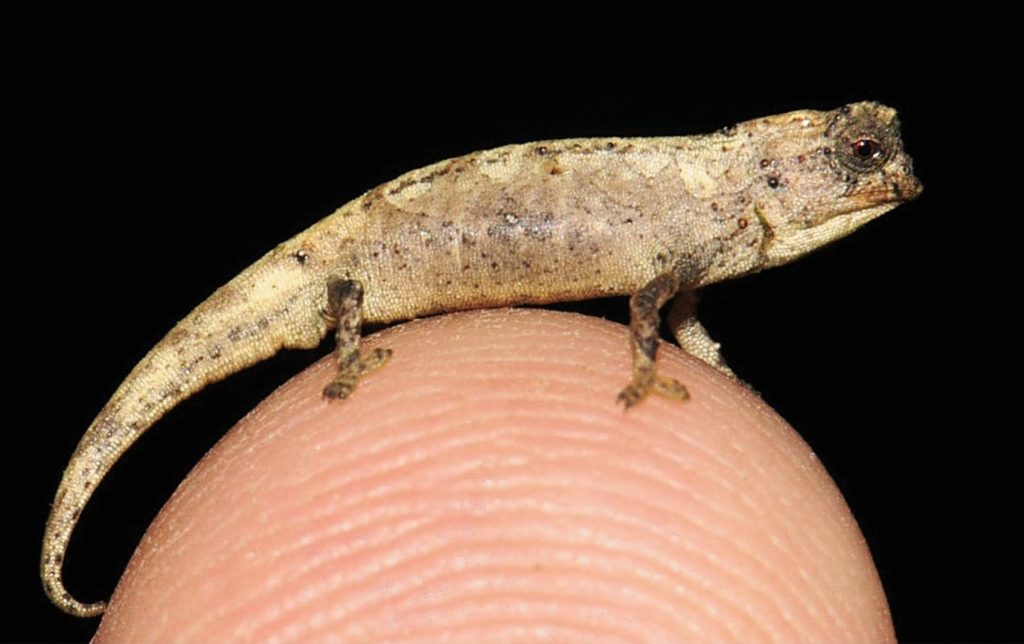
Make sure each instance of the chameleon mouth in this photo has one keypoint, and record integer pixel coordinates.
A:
(866, 200)
(895, 190)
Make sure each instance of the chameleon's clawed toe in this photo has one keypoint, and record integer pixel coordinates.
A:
(660, 385)
(670, 388)
(636, 391)
(338, 390)
(630, 396)
(345, 382)
(375, 360)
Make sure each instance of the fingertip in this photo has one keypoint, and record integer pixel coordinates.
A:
(484, 484)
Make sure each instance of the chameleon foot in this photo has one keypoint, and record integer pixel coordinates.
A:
(660, 385)
(345, 309)
(346, 380)
(643, 328)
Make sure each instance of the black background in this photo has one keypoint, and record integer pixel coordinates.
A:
(160, 158)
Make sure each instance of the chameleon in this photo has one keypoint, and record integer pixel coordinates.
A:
(654, 219)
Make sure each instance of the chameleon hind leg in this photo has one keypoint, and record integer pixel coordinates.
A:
(345, 308)
(643, 328)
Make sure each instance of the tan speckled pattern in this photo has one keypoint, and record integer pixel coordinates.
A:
(533, 223)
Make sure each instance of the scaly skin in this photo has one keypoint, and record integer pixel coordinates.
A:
(535, 223)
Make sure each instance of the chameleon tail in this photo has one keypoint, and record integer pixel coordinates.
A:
(271, 305)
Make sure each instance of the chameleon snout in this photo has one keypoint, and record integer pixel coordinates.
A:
(903, 183)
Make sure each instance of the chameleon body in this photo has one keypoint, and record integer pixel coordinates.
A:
(652, 218)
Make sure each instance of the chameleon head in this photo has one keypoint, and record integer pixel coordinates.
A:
(828, 173)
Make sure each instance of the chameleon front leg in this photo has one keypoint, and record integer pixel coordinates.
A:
(643, 327)
(345, 308)
(690, 333)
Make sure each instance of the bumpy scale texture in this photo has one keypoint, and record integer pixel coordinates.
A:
(653, 218)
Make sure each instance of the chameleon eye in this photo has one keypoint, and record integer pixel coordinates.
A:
(862, 151)
(867, 149)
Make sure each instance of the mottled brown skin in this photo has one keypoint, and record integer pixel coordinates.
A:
(653, 218)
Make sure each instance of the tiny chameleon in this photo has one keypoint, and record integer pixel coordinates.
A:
(551, 221)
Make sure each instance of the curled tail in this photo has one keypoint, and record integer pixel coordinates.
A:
(272, 305)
